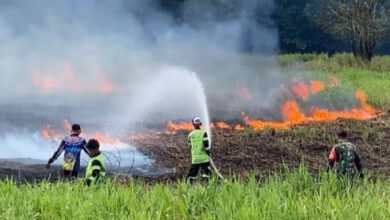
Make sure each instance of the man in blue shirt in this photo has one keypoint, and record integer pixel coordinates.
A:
(72, 146)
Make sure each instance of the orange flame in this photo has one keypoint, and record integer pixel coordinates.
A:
(183, 126)
(291, 112)
(239, 127)
(304, 90)
(316, 86)
(104, 84)
(243, 92)
(68, 80)
(261, 125)
(67, 125)
(187, 126)
(223, 125)
(49, 134)
(46, 84)
(363, 102)
(293, 116)
(104, 138)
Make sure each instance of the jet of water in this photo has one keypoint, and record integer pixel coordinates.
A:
(202, 100)
(174, 93)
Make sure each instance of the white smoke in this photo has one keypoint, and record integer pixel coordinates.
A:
(80, 42)
(25, 145)
(104, 62)
(34, 146)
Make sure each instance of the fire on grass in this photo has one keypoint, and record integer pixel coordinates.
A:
(290, 111)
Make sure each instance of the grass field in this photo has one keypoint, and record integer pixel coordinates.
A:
(298, 195)
(372, 78)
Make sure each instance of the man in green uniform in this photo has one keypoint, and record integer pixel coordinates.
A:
(344, 153)
(200, 152)
(95, 172)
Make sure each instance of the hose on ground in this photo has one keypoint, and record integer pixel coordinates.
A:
(215, 169)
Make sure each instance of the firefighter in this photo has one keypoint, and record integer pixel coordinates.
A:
(348, 160)
(96, 171)
(72, 145)
(200, 152)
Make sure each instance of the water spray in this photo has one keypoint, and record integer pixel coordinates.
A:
(205, 112)
(179, 93)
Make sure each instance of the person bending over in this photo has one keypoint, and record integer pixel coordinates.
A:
(345, 155)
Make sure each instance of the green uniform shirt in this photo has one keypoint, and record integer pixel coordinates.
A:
(346, 158)
(198, 152)
(95, 171)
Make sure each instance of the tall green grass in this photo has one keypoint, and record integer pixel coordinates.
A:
(296, 195)
(336, 62)
(376, 85)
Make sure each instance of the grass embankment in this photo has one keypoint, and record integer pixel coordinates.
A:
(372, 78)
(296, 196)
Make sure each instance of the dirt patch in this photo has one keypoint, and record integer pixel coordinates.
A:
(28, 173)
(270, 150)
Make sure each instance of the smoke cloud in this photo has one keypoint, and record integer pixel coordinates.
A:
(73, 48)
(105, 62)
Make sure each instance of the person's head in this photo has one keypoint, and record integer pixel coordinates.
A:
(342, 134)
(76, 129)
(196, 122)
(93, 146)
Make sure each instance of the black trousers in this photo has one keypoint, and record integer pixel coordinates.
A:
(204, 170)
(68, 174)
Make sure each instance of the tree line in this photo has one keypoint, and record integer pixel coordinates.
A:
(319, 26)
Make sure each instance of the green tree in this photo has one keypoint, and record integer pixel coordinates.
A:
(363, 23)
(297, 33)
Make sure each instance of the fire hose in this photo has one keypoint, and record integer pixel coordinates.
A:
(215, 169)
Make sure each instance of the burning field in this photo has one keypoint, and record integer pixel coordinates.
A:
(304, 134)
(143, 130)
(135, 87)
(269, 150)
(292, 111)
(301, 136)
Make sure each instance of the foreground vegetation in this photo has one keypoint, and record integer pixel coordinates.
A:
(297, 195)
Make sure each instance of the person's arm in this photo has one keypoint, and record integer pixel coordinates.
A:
(332, 158)
(85, 149)
(358, 164)
(96, 169)
(206, 144)
(56, 154)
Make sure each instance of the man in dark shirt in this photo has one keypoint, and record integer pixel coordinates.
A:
(72, 146)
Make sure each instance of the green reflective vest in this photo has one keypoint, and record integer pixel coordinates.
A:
(198, 152)
(96, 166)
